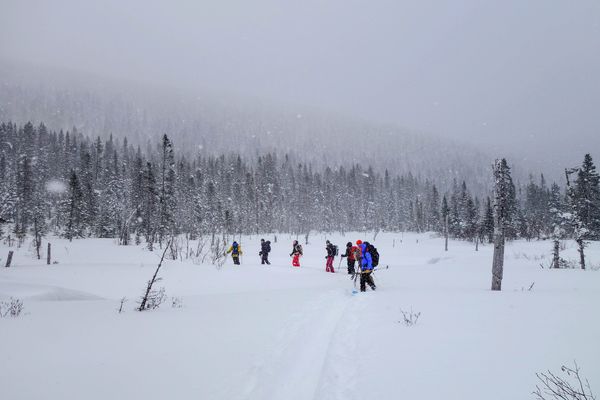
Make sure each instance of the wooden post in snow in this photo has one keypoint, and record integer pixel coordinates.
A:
(48, 255)
(9, 259)
(446, 233)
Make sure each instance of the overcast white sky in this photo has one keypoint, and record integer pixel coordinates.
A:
(525, 70)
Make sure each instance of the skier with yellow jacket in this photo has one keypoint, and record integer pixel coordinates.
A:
(236, 250)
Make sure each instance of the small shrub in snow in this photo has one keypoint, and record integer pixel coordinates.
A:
(176, 248)
(176, 302)
(410, 317)
(570, 386)
(529, 288)
(569, 264)
(594, 267)
(11, 308)
(562, 264)
(528, 257)
(155, 299)
(217, 253)
(200, 254)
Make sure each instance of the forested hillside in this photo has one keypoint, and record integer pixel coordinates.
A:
(210, 125)
(76, 186)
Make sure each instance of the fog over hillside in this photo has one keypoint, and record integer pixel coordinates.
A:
(514, 77)
(209, 123)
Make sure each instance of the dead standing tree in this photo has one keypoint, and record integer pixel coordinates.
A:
(503, 193)
(149, 292)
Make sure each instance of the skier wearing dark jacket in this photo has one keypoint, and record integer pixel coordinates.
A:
(265, 249)
(350, 250)
(374, 254)
(330, 256)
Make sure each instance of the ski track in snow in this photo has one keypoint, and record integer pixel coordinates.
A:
(255, 332)
(340, 370)
(314, 340)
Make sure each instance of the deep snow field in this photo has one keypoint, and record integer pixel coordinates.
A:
(278, 332)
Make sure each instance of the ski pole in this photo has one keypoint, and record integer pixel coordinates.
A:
(356, 276)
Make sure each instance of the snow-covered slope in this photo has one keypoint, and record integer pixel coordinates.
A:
(214, 124)
(277, 332)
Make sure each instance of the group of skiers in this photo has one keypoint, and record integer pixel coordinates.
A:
(362, 254)
(367, 257)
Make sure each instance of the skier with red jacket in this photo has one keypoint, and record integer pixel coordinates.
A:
(350, 251)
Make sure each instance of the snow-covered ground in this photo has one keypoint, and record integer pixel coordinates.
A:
(277, 332)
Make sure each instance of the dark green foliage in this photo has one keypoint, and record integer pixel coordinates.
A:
(586, 199)
(112, 189)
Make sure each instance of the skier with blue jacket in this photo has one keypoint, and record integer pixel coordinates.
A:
(366, 267)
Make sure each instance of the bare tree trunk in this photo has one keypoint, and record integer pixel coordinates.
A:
(581, 244)
(446, 233)
(38, 245)
(187, 246)
(151, 281)
(498, 262)
(48, 254)
(9, 259)
(556, 254)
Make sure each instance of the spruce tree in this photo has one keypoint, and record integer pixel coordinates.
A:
(149, 205)
(557, 220)
(586, 198)
(488, 221)
(167, 201)
(24, 205)
(73, 208)
(445, 211)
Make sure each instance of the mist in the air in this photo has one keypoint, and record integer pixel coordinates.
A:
(515, 76)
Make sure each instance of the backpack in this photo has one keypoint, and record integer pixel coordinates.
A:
(235, 249)
(336, 250)
(374, 255)
(357, 253)
(300, 249)
(268, 247)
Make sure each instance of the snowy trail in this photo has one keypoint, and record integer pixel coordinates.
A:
(301, 362)
(340, 371)
(277, 332)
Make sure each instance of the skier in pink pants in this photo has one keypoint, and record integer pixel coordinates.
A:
(296, 253)
(331, 253)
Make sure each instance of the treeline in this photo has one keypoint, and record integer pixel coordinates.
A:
(62, 101)
(75, 186)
